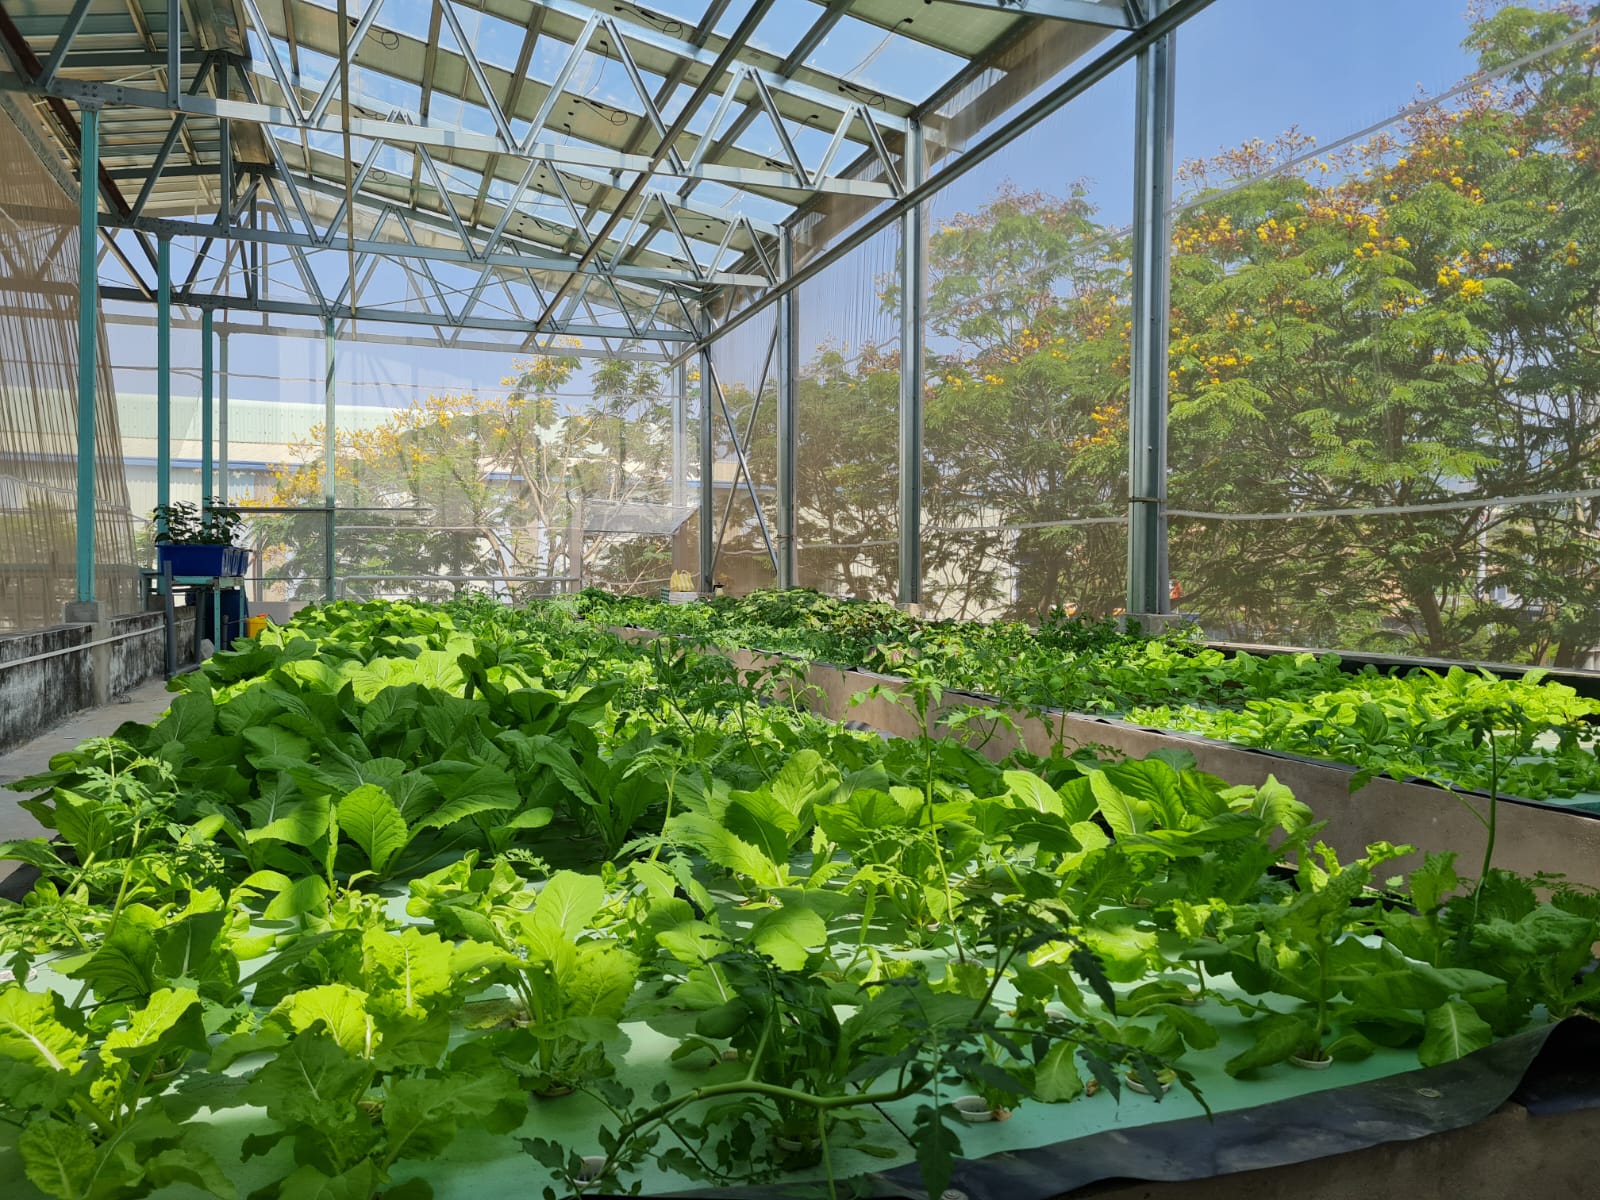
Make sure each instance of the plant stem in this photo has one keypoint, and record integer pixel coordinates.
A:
(1494, 810)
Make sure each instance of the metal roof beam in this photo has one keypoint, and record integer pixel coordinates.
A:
(640, 34)
(1084, 12)
(437, 137)
(519, 261)
(343, 312)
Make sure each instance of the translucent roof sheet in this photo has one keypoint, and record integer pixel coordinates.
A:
(595, 164)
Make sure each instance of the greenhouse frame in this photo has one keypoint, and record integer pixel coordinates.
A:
(978, 599)
(245, 164)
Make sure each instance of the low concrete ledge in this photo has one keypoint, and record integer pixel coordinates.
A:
(47, 675)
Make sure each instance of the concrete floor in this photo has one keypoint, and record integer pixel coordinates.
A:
(143, 703)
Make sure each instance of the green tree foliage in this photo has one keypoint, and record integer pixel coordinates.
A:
(1410, 322)
(469, 485)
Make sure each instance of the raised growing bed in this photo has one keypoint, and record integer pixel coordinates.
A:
(272, 954)
(1532, 837)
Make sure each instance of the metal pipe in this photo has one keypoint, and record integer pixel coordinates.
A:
(222, 417)
(88, 344)
(680, 436)
(206, 318)
(1149, 588)
(788, 434)
(329, 452)
(708, 546)
(913, 290)
(163, 378)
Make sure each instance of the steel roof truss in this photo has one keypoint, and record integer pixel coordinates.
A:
(475, 68)
(291, 94)
(357, 36)
(563, 76)
(651, 112)
(776, 118)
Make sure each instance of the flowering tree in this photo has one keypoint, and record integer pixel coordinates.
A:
(462, 486)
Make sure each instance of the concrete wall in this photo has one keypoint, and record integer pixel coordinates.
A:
(49, 674)
(1529, 837)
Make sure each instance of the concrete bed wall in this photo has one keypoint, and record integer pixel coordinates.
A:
(48, 675)
(1530, 838)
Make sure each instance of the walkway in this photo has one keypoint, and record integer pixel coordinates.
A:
(143, 703)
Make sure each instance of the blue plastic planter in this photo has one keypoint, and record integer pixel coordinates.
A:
(206, 561)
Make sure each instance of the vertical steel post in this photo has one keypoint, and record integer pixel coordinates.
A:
(206, 319)
(222, 416)
(913, 290)
(1148, 583)
(174, 51)
(329, 455)
(680, 436)
(708, 515)
(163, 376)
(88, 344)
(788, 432)
(224, 150)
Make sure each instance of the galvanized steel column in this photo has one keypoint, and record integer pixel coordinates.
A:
(329, 454)
(163, 376)
(222, 417)
(913, 288)
(206, 319)
(88, 344)
(1148, 582)
(788, 433)
(680, 437)
(708, 516)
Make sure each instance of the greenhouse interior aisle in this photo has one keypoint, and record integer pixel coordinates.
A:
(145, 704)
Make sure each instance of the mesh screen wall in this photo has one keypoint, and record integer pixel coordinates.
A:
(38, 408)
(746, 501)
(1026, 387)
(1385, 373)
(847, 416)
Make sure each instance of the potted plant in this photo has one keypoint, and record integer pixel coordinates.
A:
(198, 540)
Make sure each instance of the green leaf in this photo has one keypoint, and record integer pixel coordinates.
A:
(169, 1021)
(274, 748)
(340, 1008)
(805, 780)
(1275, 805)
(937, 1147)
(1453, 1030)
(1276, 1038)
(192, 1165)
(569, 901)
(301, 824)
(370, 819)
(788, 935)
(59, 1158)
(32, 1031)
(191, 717)
(1125, 814)
(602, 980)
(422, 1115)
(1056, 1079)
(123, 967)
(308, 894)
(463, 807)
(407, 972)
(308, 1182)
(312, 1082)
(1027, 790)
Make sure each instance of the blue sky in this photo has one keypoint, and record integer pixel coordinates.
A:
(1246, 68)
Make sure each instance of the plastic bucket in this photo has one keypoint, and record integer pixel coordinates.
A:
(254, 625)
